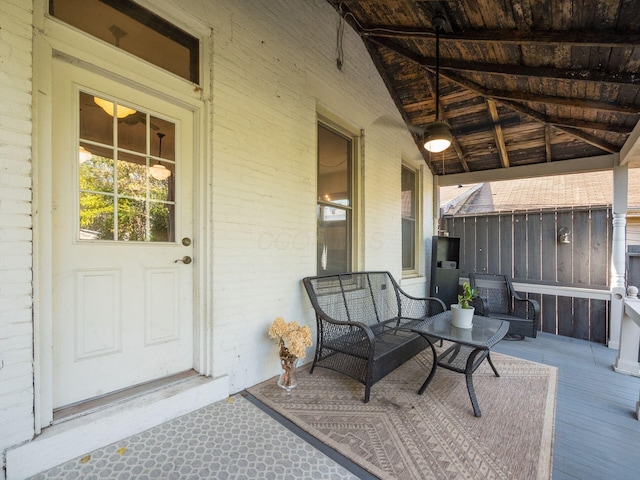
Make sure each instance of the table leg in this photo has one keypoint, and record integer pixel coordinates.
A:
(433, 367)
(468, 375)
(492, 365)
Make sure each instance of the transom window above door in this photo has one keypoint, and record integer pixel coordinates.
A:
(126, 173)
(136, 30)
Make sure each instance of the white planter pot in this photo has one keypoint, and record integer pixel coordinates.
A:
(461, 317)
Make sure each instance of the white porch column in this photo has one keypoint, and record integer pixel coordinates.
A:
(627, 359)
(618, 253)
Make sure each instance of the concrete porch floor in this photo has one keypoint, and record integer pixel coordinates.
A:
(229, 439)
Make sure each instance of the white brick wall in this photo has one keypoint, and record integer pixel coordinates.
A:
(274, 67)
(16, 331)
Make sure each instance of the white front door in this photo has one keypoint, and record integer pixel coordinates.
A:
(122, 236)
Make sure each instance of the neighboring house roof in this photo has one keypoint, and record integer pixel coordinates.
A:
(586, 189)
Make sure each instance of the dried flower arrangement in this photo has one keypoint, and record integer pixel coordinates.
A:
(293, 338)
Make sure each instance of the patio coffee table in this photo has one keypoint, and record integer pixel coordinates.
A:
(470, 346)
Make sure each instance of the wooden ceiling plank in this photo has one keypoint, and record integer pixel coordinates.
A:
(502, 148)
(547, 142)
(537, 115)
(600, 38)
(574, 75)
(565, 101)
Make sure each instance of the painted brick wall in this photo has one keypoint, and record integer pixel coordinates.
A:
(274, 68)
(16, 331)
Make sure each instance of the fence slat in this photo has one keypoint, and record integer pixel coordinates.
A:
(506, 244)
(549, 250)
(482, 240)
(493, 244)
(548, 311)
(534, 247)
(520, 246)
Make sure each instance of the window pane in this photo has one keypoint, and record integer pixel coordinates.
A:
(334, 167)
(132, 175)
(132, 225)
(132, 132)
(96, 170)
(408, 219)
(95, 123)
(334, 238)
(161, 222)
(161, 186)
(96, 217)
(163, 142)
(408, 244)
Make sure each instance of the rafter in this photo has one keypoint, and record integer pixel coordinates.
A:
(576, 75)
(509, 37)
(502, 148)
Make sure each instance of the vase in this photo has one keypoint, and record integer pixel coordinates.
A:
(461, 317)
(287, 379)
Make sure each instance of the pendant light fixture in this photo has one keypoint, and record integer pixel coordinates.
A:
(437, 135)
(110, 108)
(159, 171)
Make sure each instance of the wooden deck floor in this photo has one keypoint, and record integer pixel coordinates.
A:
(597, 435)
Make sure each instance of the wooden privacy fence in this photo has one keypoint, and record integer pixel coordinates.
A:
(570, 280)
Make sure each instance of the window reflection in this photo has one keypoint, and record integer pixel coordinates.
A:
(127, 193)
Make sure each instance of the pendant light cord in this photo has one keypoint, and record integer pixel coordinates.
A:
(437, 73)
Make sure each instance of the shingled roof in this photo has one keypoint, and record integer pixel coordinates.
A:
(584, 189)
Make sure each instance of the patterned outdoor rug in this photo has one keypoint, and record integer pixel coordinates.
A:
(402, 435)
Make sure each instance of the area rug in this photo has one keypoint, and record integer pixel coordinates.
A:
(402, 435)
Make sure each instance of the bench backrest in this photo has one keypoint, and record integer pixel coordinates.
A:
(365, 297)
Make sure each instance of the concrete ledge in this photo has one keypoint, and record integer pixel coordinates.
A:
(68, 440)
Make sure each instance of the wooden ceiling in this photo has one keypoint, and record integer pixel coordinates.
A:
(522, 82)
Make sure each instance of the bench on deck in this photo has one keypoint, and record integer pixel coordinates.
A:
(364, 322)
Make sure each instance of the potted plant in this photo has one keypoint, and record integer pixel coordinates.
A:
(462, 312)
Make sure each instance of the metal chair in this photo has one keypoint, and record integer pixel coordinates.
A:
(498, 299)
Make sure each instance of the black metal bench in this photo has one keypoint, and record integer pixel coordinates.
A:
(364, 322)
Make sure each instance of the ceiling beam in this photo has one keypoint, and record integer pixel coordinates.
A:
(574, 38)
(579, 165)
(547, 142)
(576, 75)
(497, 129)
(582, 103)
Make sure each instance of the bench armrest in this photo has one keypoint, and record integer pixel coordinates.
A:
(419, 307)
(354, 337)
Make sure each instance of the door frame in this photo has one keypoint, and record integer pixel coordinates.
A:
(53, 39)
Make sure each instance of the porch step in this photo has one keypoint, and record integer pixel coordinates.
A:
(82, 434)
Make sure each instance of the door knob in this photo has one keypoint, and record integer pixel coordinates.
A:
(186, 260)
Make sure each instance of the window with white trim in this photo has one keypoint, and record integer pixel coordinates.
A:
(409, 199)
(335, 200)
